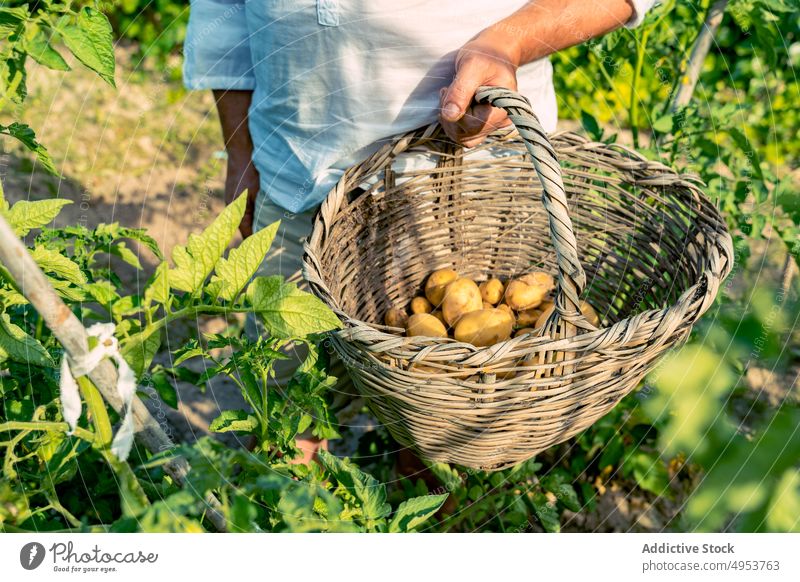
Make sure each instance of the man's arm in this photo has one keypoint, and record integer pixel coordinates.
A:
(241, 173)
(493, 56)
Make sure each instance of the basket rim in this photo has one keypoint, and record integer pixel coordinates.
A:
(633, 167)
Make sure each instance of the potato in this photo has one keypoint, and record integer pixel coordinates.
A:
(507, 309)
(588, 312)
(528, 317)
(440, 316)
(508, 314)
(520, 295)
(539, 279)
(437, 283)
(483, 328)
(461, 296)
(492, 291)
(425, 324)
(523, 331)
(421, 305)
(487, 305)
(395, 317)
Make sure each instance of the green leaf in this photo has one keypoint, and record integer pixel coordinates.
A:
(102, 291)
(663, 124)
(11, 19)
(139, 349)
(90, 40)
(243, 515)
(25, 216)
(364, 487)
(233, 273)
(650, 473)
(165, 388)
(41, 51)
(784, 507)
(17, 345)
(13, 78)
(557, 483)
(27, 137)
(55, 263)
(127, 255)
(140, 235)
(158, 289)
(787, 198)
(234, 420)
(195, 261)
(741, 140)
(415, 511)
(546, 512)
(591, 126)
(287, 311)
(188, 354)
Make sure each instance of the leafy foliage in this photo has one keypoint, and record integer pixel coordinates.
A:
(33, 29)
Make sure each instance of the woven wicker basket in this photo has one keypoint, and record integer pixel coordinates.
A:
(638, 241)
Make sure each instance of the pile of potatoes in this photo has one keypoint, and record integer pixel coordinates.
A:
(480, 314)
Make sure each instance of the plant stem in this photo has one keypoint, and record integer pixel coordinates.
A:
(687, 81)
(633, 107)
(133, 497)
(81, 433)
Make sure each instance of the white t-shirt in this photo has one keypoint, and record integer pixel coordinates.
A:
(333, 79)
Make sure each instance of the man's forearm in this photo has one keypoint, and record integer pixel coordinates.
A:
(543, 27)
(232, 107)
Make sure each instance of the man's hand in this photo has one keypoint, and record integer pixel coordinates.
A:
(492, 58)
(242, 175)
(482, 61)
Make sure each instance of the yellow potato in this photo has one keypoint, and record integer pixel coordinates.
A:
(437, 283)
(395, 317)
(588, 312)
(425, 324)
(487, 305)
(520, 295)
(440, 316)
(421, 305)
(528, 317)
(483, 328)
(539, 279)
(461, 296)
(492, 291)
(508, 314)
(506, 308)
(524, 331)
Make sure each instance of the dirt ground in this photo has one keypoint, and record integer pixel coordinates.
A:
(149, 155)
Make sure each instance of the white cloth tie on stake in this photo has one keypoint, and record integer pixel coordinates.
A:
(71, 368)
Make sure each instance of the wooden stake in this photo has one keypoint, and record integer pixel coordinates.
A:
(68, 330)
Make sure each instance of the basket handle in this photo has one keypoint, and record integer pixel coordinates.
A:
(571, 277)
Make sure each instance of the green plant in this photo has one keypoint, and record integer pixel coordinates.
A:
(31, 30)
(43, 465)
